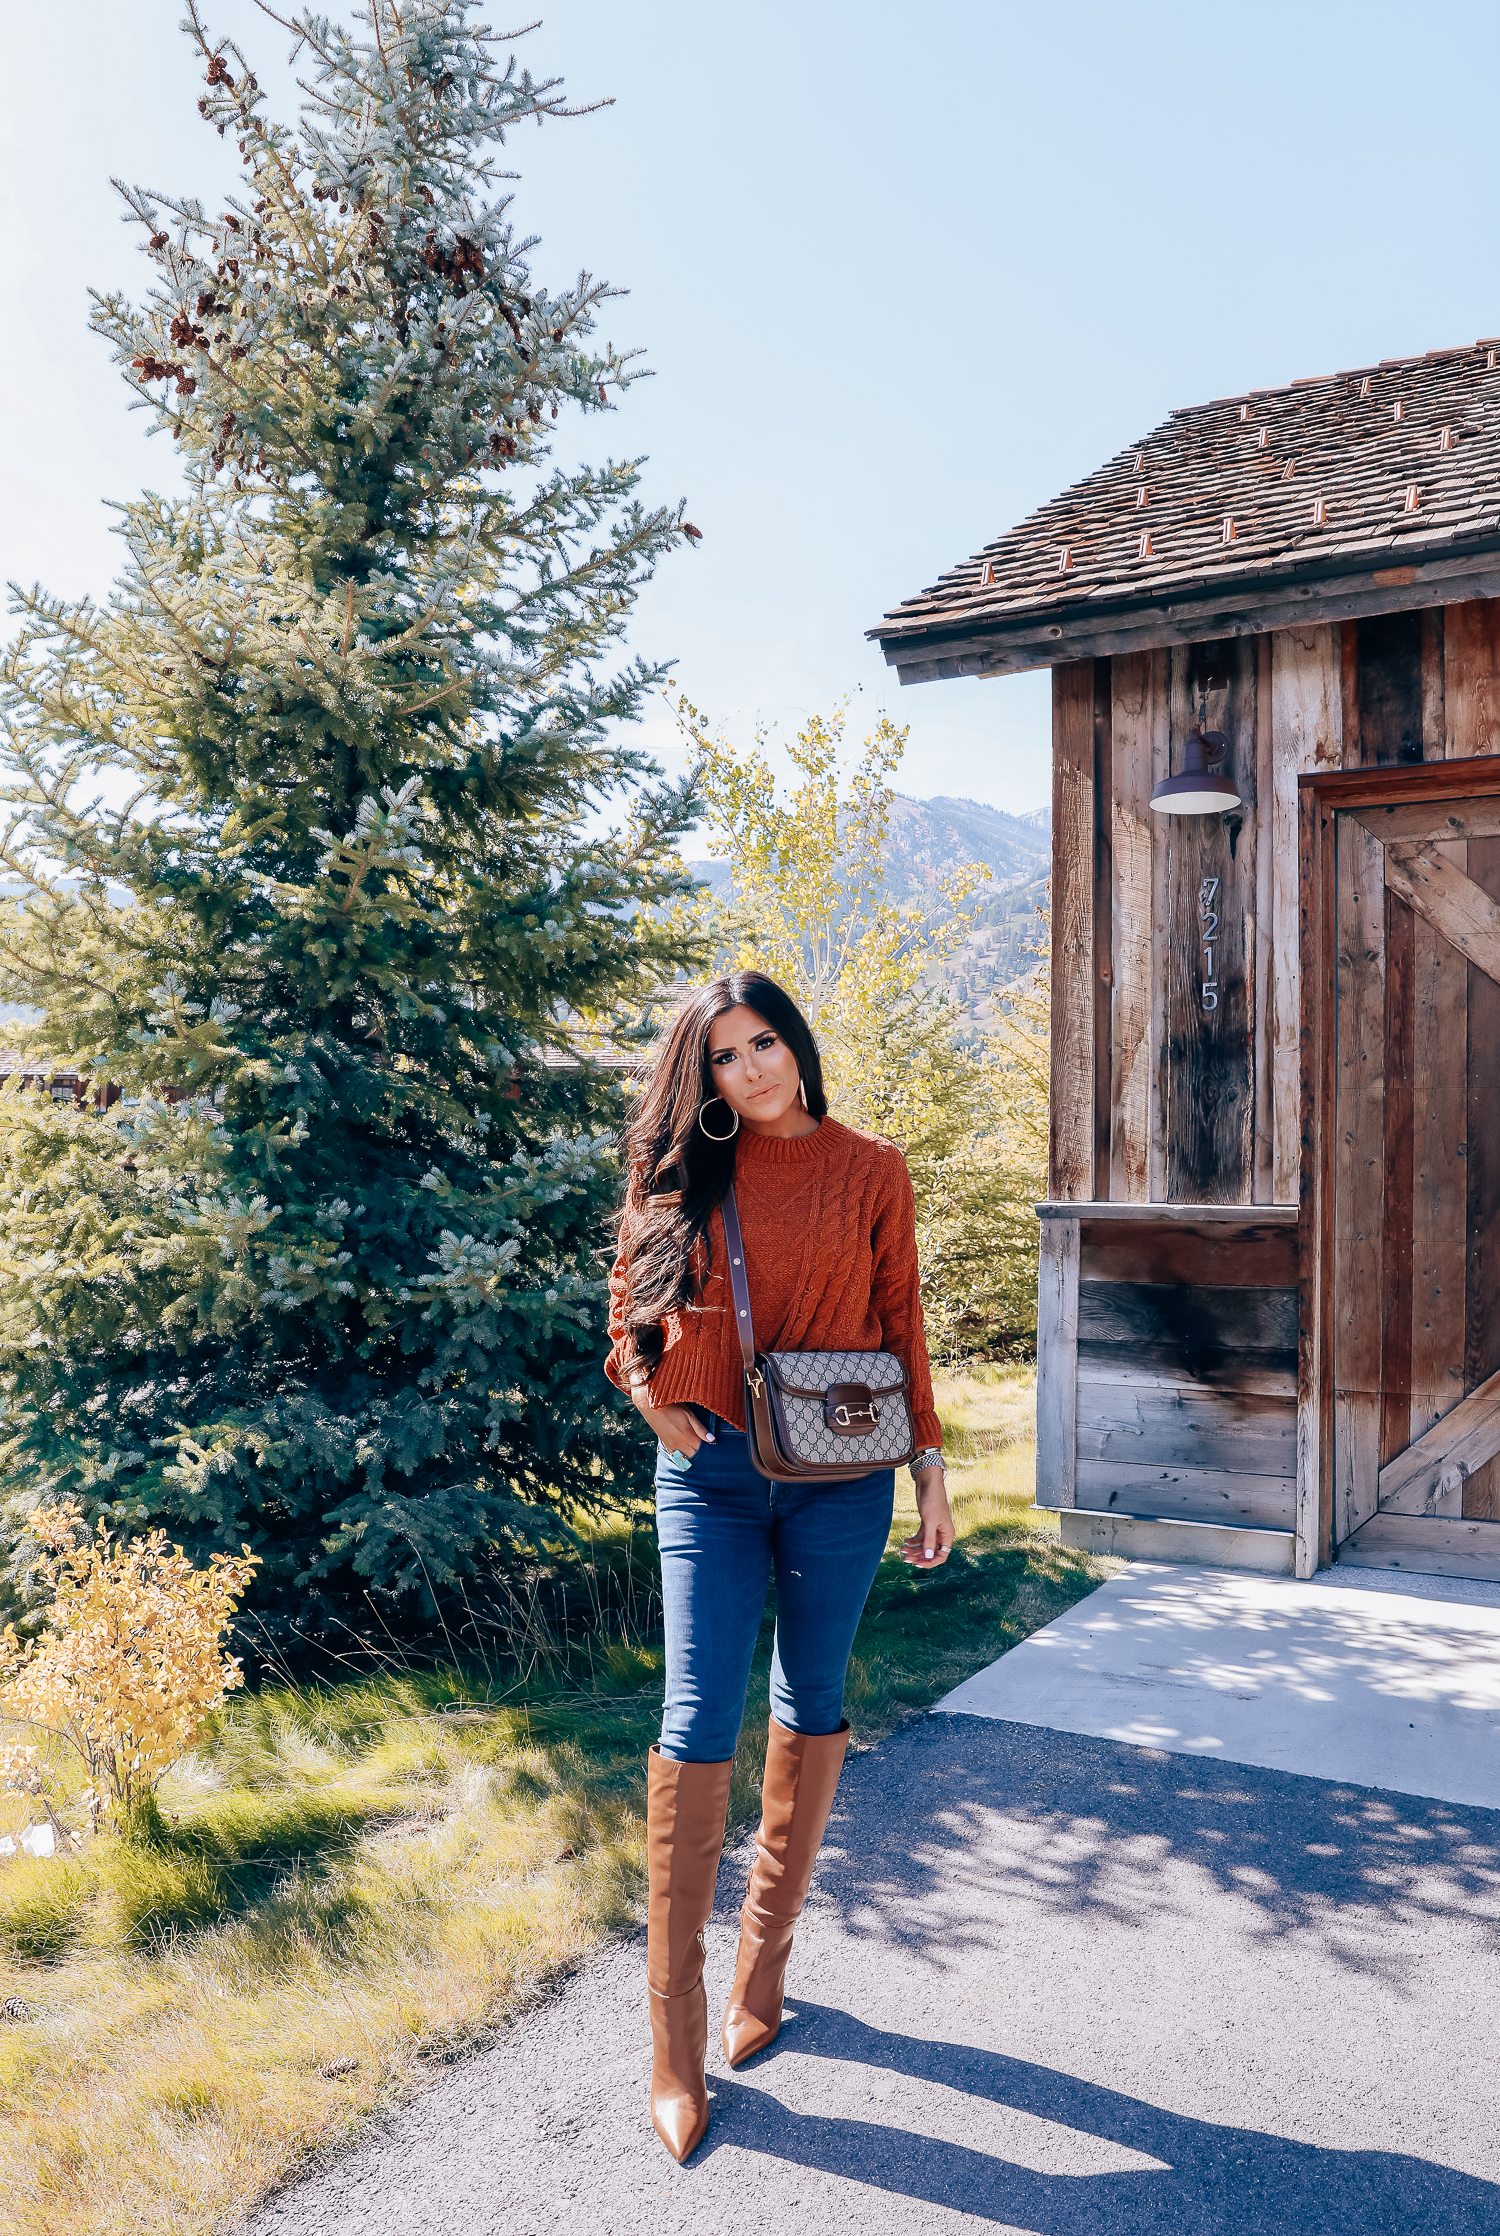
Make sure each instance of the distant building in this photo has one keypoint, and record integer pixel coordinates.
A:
(62, 1086)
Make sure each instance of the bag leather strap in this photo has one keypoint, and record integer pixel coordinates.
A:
(739, 1287)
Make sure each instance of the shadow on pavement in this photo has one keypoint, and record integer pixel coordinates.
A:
(1213, 2181)
(1020, 1822)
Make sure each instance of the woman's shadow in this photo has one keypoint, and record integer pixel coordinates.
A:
(1211, 2180)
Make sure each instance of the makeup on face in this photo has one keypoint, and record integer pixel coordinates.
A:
(752, 1067)
(757, 1074)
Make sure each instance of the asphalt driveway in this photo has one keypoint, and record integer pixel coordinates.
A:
(1047, 1982)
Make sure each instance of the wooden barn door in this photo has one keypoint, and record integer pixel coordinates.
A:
(1415, 1173)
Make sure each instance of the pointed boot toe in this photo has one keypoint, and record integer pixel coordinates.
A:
(680, 2121)
(744, 2033)
(679, 2094)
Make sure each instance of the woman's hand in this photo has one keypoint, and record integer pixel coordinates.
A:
(932, 1540)
(675, 1426)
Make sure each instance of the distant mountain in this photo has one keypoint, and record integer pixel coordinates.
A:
(929, 840)
(932, 838)
(715, 875)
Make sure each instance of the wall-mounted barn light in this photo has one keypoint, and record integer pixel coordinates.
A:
(1202, 788)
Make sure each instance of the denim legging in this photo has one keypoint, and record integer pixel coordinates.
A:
(721, 1528)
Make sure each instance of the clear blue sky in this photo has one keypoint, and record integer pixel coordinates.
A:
(903, 273)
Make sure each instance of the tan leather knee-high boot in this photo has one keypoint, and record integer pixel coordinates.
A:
(686, 1804)
(801, 1775)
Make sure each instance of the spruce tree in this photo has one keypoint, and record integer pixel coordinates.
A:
(305, 820)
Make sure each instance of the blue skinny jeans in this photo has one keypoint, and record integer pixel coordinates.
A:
(721, 1529)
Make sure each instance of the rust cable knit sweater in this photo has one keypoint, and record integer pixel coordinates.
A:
(831, 1252)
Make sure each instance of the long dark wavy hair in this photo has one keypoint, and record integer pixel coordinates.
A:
(675, 1177)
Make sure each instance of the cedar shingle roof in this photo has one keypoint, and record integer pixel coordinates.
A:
(1384, 468)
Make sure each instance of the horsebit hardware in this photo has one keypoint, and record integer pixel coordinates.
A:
(847, 1415)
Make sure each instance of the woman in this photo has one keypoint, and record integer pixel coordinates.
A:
(736, 1094)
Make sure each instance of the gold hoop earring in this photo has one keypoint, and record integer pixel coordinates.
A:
(707, 1131)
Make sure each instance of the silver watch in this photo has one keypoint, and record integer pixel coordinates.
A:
(921, 1460)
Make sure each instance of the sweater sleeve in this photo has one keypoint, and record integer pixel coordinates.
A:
(897, 1298)
(619, 1289)
(627, 1373)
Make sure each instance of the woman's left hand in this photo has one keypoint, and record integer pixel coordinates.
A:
(932, 1540)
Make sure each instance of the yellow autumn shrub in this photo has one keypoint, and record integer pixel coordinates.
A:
(130, 1668)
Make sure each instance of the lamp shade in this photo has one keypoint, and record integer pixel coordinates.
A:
(1197, 790)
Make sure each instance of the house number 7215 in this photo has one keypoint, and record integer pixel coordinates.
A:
(1208, 927)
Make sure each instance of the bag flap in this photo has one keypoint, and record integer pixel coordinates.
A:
(809, 1373)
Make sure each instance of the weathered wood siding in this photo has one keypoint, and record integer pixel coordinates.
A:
(1178, 1342)
(1186, 1371)
(1057, 1342)
(1155, 1097)
(1138, 747)
(1208, 1056)
(1070, 1162)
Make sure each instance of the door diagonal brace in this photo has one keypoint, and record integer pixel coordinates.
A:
(1435, 1467)
(1456, 908)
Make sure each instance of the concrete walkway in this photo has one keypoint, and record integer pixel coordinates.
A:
(1380, 1679)
(1049, 1982)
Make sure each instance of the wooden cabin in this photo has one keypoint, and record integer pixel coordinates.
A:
(1269, 1310)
